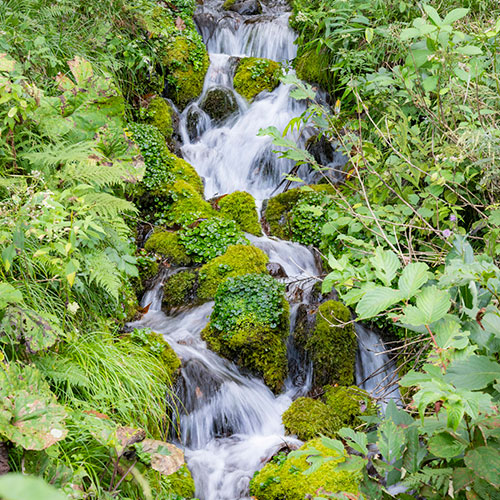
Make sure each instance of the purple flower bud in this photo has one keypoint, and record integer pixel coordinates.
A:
(453, 217)
(446, 233)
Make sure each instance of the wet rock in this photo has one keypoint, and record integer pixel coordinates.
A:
(276, 270)
(246, 7)
(219, 103)
(197, 121)
(325, 154)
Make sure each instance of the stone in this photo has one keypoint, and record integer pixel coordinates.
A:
(219, 103)
(276, 270)
(246, 7)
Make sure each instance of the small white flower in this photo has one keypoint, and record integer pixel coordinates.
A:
(57, 433)
(73, 307)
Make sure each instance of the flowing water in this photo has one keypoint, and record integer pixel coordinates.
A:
(230, 422)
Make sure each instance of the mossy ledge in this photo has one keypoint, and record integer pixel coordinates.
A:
(167, 244)
(329, 343)
(240, 207)
(254, 75)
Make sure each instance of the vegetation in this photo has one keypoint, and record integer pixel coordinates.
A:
(168, 246)
(240, 207)
(253, 76)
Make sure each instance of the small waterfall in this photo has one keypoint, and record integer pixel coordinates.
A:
(374, 369)
(230, 422)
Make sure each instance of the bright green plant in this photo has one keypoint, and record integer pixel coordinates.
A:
(211, 238)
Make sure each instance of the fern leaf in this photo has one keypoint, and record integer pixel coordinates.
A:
(104, 273)
(107, 205)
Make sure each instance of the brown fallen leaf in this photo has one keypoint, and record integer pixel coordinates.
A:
(163, 463)
(180, 24)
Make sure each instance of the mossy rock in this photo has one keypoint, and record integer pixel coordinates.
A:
(177, 486)
(237, 261)
(219, 103)
(310, 67)
(254, 346)
(188, 205)
(285, 479)
(187, 61)
(250, 324)
(254, 75)
(186, 172)
(180, 289)
(240, 207)
(339, 407)
(167, 244)
(159, 113)
(332, 349)
(285, 221)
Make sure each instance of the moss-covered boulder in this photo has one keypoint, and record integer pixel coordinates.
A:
(329, 343)
(154, 194)
(180, 289)
(339, 407)
(284, 478)
(254, 75)
(159, 113)
(219, 103)
(188, 205)
(167, 244)
(181, 483)
(288, 215)
(237, 261)
(309, 66)
(187, 62)
(240, 207)
(249, 325)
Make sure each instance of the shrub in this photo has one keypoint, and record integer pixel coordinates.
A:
(282, 479)
(237, 261)
(240, 207)
(167, 244)
(332, 349)
(211, 238)
(254, 75)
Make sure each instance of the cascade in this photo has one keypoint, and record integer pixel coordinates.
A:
(231, 422)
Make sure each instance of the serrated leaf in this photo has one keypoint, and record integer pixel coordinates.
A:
(433, 304)
(386, 265)
(485, 462)
(444, 445)
(9, 295)
(448, 334)
(333, 444)
(473, 373)
(390, 440)
(413, 277)
(356, 440)
(377, 300)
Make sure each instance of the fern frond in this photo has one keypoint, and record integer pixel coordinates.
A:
(107, 205)
(104, 273)
(438, 479)
(97, 174)
(61, 153)
(62, 372)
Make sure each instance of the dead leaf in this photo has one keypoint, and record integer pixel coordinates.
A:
(180, 24)
(165, 463)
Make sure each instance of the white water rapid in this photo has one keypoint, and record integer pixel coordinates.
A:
(230, 422)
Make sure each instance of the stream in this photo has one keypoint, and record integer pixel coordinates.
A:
(230, 422)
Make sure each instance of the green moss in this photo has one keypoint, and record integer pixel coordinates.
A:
(332, 349)
(287, 220)
(237, 261)
(240, 207)
(249, 325)
(286, 479)
(228, 4)
(254, 346)
(187, 62)
(309, 66)
(340, 407)
(181, 483)
(185, 171)
(254, 75)
(159, 114)
(179, 289)
(166, 243)
(188, 205)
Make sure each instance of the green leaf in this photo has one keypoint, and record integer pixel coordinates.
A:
(9, 295)
(369, 35)
(6, 63)
(390, 440)
(376, 300)
(455, 15)
(469, 50)
(485, 462)
(444, 445)
(412, 278)
(448, 334)
(433, 14)
(386, 265)
(432, 305)
(333, 444)
(473, 373)
(357, 440)
(16, 486)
